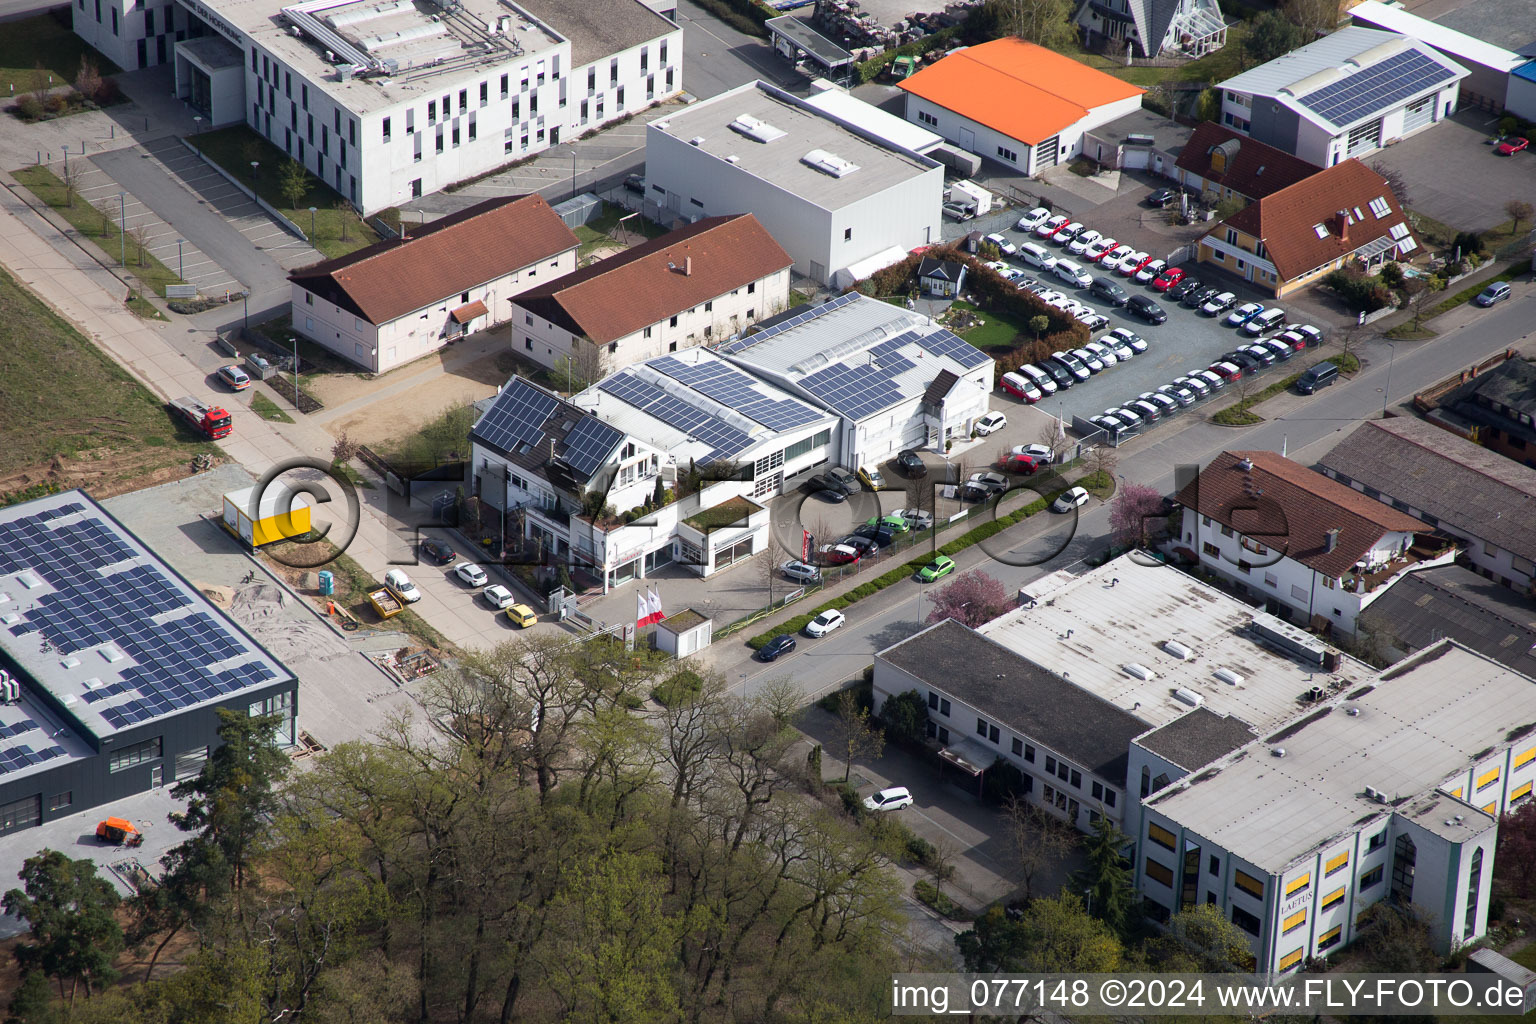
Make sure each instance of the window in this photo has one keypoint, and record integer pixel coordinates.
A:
(1377, 841)
(1293, 922)
(752, 288)
(1050, 766)
(1371, 877)
(927, 118)
(1109, 798)
(663, 54)
(992, 733)
(1487, 779)
(1290, 959)
(59, 801)
(709, 306)
(1334, 898)
(20, 814)
(1520, 792)
(1298, 592)
(1159, 873)
(981, 726)
(1029, 753)
(463, 102)
(1098, 791)
(1297, 885)
(439, 138)
(943, 704)
(432, 112)
(1008, 154)
(1269, 579)
(613, 71)
(1048, 795)
(1214, 865)
(1246, 882)
(1162, 837)
(1210, 549)
(672, 322)
(1017, 747)
(847, 234)
(485, 93)
(1077, 779)
(1329, 938)
(1336, 864)
(137, 753)
(1246, 921)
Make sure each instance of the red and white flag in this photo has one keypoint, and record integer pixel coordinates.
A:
(656, 613)
(642, 611)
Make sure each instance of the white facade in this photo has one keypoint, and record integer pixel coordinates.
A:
(894, 197)
(975, 137)
(131, 34)
(382, 347)
(546, 342)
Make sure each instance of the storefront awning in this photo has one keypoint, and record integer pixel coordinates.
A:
(971, 758)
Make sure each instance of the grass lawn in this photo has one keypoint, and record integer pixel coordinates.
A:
(431, 444)
(602, 230)
(77, 403)
(1219, 66)
(42, 39)
(337, 231)
(105, 231)
(997, 330)
(267, 409)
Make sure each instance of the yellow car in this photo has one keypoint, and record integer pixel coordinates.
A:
(522, 616)
(871, 478)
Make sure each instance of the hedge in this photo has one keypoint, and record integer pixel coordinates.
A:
(905, 571)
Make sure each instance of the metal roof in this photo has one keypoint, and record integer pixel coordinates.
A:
(1448, 40)
(897, 131)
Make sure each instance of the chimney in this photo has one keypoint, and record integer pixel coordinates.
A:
(1331, 539)
(687, 266)
(1245, 464)
(1341, 225)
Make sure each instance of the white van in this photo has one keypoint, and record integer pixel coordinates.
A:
(1036, 256)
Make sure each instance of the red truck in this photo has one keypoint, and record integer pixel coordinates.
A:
(212, 420)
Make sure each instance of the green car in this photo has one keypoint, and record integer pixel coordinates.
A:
(894, 523)
(936, 569)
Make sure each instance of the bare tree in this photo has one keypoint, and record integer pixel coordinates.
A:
(1394, 180)
(138, 237)
(39, 82)
(1244, 388)
(1425, 295)
(1312, 16)
(1039, 840)
(768, 572)
(941, 862)
(71, 179)
(1518, 210)
(1046, 22)
(1350, 337)
(856, 736)
(108, 219)
(1102, 460)
(344, 215)
(1050, 436)
(88, 80)
(344, 449)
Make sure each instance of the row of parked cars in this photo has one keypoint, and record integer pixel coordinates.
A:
(471, 575)
(1061, 370)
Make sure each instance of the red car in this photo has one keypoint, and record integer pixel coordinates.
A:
(839, 554)
(1167, 279)
(1017, 464)
(1511, 145)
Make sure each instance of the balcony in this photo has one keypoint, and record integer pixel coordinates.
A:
(1428, 550)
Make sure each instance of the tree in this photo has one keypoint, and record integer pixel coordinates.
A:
(856, 736)
(1039, 324)
(1106, 876)
(88, 79)
(906, 715)
(1200, 940)
(39, 83)
(941, 862)
(344, 215)
(344, 449)
(768, 572)
(1102, 460)
(1134, 504)
(138, 239)
(1395, 181)
(658, 493)
(1312, 16)
(1047, 23)
(1208, 105)
(1052, 936)
(1393, 938)
(1518, 210)
(31, 1003)
(69, 913)
(972, 599)
(1229, 206)
(1515, 864)
(293, 182)
(1039, 840)
(1270, 35)
(71, 180)
(1422, 292)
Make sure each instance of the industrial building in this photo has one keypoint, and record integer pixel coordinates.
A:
(834, 194)
(387, 100)
(112, 666)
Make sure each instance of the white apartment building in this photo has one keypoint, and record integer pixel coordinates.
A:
(832, 193)
(549, 462)
(397, 300)
(385, 100)
(895, 378)
(1345, 95)
(702, 282)
(1392, 790)
(1311, 549)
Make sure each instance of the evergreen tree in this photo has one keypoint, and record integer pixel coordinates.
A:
(68, 909)
(1106, 877)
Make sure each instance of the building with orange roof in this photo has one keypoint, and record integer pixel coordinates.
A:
(1017, 103)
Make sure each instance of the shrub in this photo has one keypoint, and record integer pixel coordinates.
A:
(850, 798)
(920, 849)
(28, 108)
(1392, 275)
(1362, 293)
(1469, 242)
(677, 688)
(1507, 124)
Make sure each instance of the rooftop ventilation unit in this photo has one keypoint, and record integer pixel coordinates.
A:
(1178, 650)
(1372, 793)
(1275, 630)
(1246, 465)
(827, 163)
(1229, 677)
(1278, 752)
(1139, 671)
(1188, 696)
(697, 140)
(733, 159)
(1139, 139)
(756, 128)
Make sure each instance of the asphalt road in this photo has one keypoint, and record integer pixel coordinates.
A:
(717, 58)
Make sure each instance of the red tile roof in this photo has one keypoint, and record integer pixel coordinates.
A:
(441, 260)
(663, 277)
(1257, 170)
(1287, 221)
(1022, 90)
(1290, 509)
(467, 312)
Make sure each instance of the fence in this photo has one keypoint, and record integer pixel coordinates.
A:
(383, 227)
(271, 211)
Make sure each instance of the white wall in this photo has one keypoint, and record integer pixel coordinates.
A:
(1520, 99)
(990, 143)
(93, 23)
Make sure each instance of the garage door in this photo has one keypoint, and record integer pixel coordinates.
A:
(1135, 158)
(1419, 114)
(1364, 138)
(1046, 153)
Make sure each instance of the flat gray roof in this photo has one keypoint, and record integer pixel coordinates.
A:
(781, 162)
(1424, 721)
(1510, 24)
(800, 32)
(598, 28)
(1452, 601)
(1167, 135)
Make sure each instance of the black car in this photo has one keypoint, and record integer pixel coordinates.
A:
(436, 552)
(636, 183)
(882, 536)
(775, 647)
(1162, 197)
(1109, 291)
(912, 463)
(1197, 297)
(1183, 288)
(860, 543)
(1145, 308)
(1249, 364)
(1057, 373)
(830, 495)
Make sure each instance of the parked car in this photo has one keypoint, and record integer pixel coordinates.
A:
(1110, 261)
(1059, 372)
(1168, 279)
(1004, 246)
(1088, 359)
(864, 543)
(1039, 378)
(1188, 284)
(915, 518)
(1017, 464)
(1132, 263)
(1210, 378)
(1043, 454)
(840, 554)
(1074, 366)
(1096, 251)
(1263, 353)
(1073, 498)
(1196, 298)
(1279, 348)
(1004, 270)
(1093, 321)
(236, 378)
(1148, 310)
(1067, 232)
(1149, 411)
(1165, 403)
(892, 798)
(1150, 271)
(498, 596)
(891, 521)
(1226, 371)
(870, 477)
(837, 476)
(991, 481)
(1104, 352)
(1315, 377)
(636, 183)
(1161, 197)
(958, 211)
(779, 645)
(940, 567)
(1130, 338)
(402, 587)
(1180, 393)
(436, 552)
(1036, 256)
(1192, 383)
(522, 616)
(1079, 245)
(1033, 219)
(1242, 314)
(1217, 303)
(1496, 292)
(1130, 417)
(1248, 364)
(1117, 345)
(825, 623)
(830, 495)
(1108, 423)
(1309, 334)
(1268, 320)
(1510, 145)
(471, 574)
(1020, 387)
(800, 572)
(1049, 226)
(912, 464)
(990, 423)
(1072, 273)
(1106, 289)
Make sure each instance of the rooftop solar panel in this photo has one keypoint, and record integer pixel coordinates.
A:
(1376, 88)
(854, 391)
(809, 313)
(588, 443)
(725, 440)
(516, 417)
(734, 389)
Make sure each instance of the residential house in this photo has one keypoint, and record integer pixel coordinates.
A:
(705, 281)
(1017, 103)
(400, 299)
(1228, 164)
(1152, 28)
(1495, 408)
(1289, 239)
(1309, 548)
(1454, 485)
(1346, 95)
(944, 278)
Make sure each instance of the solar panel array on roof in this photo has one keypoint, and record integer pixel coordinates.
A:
(588, 443)
(725, 440)
(174, 659)
(943, 343)
(1376, 88)
(809, 313)
(516, 417)
(734, 389)
(854, 391)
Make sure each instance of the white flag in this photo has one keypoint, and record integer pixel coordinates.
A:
(656, 613)
(641, 611)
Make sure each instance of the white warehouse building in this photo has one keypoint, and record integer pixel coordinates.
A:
(389, 100)
(832, 193)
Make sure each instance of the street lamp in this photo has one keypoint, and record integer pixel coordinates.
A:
(312, 223)
(245, 302)
(181, 270)
(295, 343)
(573, 169)
(122, 229)
(255, 165)
(1387, 390)
(197, 123)
(66, 160)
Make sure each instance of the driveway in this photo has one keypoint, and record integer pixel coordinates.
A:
(1453, 176)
